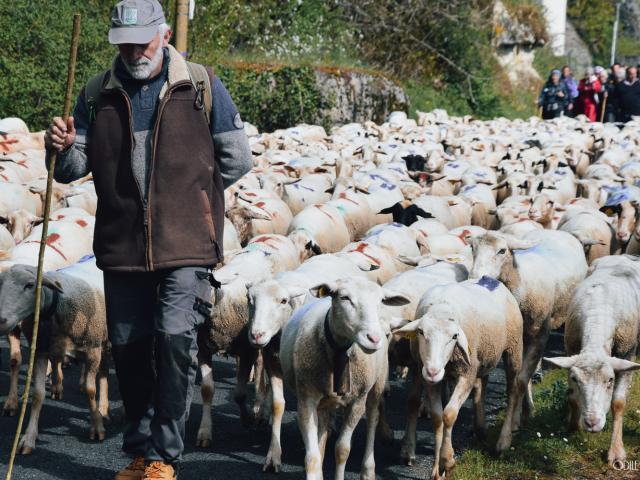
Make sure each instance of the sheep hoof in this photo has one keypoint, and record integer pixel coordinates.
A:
(9, 410)
(26, 446)
(616, 456)
(203, 442)
(408, 454)
(272, 464)
(56, 393)
(106, 419)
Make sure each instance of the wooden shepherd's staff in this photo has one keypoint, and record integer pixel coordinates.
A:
(75, 38)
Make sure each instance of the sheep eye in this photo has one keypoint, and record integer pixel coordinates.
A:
(610, 381)
(574, 378)
(502, 251)
(28, 286)
(346, 299)
(455, 336)
(283, 301)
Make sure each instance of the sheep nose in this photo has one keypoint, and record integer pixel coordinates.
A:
(373, 338)
(256, 336)
(432, 372)
(590, 422)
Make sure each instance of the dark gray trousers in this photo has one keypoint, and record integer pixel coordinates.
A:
(153, 319)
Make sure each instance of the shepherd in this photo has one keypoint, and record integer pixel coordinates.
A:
(162, 139)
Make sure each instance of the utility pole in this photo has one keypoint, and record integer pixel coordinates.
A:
(182, 26)
(614, 40)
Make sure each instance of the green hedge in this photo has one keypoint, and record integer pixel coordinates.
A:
(272, 98)
(35, 37)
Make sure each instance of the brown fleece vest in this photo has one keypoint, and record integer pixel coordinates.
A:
(183, 222)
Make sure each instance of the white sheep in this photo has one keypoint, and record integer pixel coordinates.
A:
(602, 334)
(334, 354)
(461, 331)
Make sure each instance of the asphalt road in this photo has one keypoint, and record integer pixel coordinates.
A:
(64, 450)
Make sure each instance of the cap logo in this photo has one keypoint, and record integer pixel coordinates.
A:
(129, 16)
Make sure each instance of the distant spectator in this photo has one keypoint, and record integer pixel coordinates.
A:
(572, 87)
(588, 99)
(554, 97)
(615, 70)
(606, 97)
(627, 95)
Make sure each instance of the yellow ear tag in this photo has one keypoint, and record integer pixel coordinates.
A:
(469, 349)
(323, 291)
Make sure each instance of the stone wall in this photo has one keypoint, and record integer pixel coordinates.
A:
(352, 96)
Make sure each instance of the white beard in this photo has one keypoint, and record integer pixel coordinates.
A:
(143, 68)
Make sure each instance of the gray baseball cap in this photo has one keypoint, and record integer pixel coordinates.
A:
(135, 21)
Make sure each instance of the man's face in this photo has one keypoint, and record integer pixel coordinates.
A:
(566, 71)
(144, 60)
(632, 72)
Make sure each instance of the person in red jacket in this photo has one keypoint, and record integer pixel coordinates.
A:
(588, 99)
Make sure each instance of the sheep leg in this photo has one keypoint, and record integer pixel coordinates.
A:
(374, 399)
(28, 440)
(434, 393)
(10, 406)
(353, 414)
(616, 452)
(460, 394)
(479, 424)
(574, 411)
(274, 370)
(205, 435)
(97, 430)
(385, 433)
(245, 363)
(532, 355)
(56, 382)
(408, 451)
(516, 387)
(83, 376)
(324, 426)
(260, 380)
(308, 424)
(103, 382)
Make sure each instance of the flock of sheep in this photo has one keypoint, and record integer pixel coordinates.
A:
(436, 247)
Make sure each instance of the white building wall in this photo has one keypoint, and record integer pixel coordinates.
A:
(555, 12)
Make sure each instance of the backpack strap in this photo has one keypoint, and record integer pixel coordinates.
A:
(202, 79)
(92, 93)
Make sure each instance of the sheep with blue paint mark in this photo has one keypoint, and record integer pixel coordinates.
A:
(542, 270)
(461, 332)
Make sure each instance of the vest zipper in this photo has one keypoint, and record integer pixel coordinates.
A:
(147, 217)
(144, 205)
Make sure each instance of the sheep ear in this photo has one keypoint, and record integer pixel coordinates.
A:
(393, 299)
(313, 246)
(398, 322)
(52, 284)
(518, 244)
(421, 213)
(463, 343)
(390, 209)
(323, 290)
(409, 331)
(560, 362)
(223, 279)
(622, 365)
(411, 261)
(256, 213)
(297, 291)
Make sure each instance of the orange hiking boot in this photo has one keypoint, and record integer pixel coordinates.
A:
(159, 471)
(133, 471)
